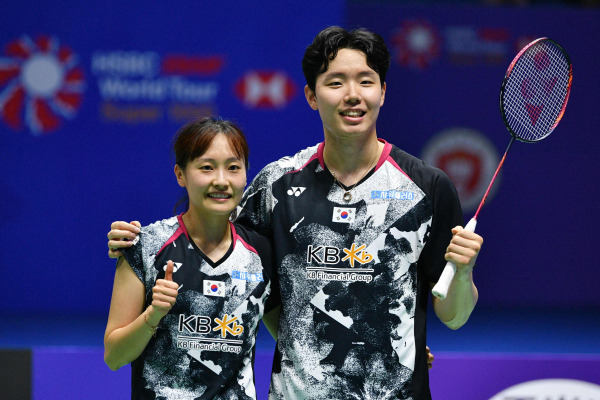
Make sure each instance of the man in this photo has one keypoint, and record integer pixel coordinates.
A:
(361, 232)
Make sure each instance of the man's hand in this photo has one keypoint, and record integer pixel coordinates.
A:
(463, 250)
(121, 234)
(454, 310)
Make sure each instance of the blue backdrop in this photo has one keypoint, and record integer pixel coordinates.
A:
(118, 79)
(92, 93)
(539, 225)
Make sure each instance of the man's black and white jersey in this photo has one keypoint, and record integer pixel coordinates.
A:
(354, 276)
(204, 346)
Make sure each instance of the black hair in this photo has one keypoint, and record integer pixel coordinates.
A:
(329, 41)
(194, 138)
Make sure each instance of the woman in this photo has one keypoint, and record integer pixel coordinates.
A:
(189, 293)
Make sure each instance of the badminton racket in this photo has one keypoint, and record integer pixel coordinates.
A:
(533, 98)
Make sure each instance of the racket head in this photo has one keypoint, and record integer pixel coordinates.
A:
(535, 90)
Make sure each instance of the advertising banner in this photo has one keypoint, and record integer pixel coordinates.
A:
(91, 95)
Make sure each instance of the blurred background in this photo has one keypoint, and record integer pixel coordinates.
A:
(91, 94)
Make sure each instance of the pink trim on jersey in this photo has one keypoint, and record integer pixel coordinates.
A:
(385, 156)
(182, 225)
(183, 230)
(320, 154)
(176, 234)
(387, 149)
(235, 238)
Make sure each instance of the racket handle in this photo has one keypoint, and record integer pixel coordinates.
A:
(440, 290)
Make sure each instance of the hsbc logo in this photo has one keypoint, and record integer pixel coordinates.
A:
(265, 89)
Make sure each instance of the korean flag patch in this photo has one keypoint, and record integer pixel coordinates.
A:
(343, 215)
(214, 288)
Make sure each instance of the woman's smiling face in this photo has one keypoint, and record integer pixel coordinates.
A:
(215, 180)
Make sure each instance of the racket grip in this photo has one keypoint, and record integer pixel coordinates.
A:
(440, 290)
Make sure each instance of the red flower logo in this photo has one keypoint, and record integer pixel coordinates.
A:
(40, 84)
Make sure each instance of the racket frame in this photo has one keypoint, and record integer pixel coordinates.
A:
(440, 290)
(505, 81)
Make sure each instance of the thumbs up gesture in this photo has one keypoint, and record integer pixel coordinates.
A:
(164, 292)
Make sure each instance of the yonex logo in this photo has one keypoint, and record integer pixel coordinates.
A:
(40, 84)
(535, 90)
(176, 266)
(296, 191)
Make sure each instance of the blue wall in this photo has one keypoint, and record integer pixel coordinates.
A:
(540, 224)
(123, 77)
(135, 73)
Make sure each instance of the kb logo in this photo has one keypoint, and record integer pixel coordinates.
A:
(333, 255)
(203, 325)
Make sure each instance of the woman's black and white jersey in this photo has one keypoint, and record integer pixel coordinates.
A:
(354, 275)
(204, 347)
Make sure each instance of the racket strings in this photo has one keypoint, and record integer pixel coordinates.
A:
(536, 91)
